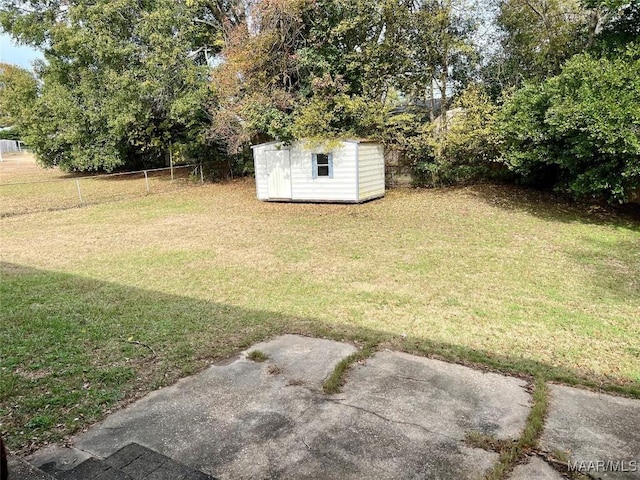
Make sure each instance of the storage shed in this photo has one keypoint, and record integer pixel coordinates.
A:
(351, 172)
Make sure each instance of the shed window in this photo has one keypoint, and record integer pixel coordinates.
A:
(322, 165)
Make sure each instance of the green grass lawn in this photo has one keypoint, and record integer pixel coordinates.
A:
(102, 304)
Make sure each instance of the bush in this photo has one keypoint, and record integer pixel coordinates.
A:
(12, 133)
(461, 149)
(578, 132)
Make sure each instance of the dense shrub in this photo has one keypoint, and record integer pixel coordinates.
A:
(13, 133)
(461, 148)
(578, 132)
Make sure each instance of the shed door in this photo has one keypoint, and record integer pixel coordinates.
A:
(279, 173)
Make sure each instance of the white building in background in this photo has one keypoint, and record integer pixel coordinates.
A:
(9, 146)
(349, 171)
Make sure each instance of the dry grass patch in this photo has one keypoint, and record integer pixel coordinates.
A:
(27, 188)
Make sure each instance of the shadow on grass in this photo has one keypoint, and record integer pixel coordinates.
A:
(72, 349)
(555, 207)
(614, 266)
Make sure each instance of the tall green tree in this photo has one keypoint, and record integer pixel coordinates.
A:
(353, 61)
(538, 36)
(612, 24)
(575, 130)
(122, 80)
(18, 92)
(327, 68)
(295, 68)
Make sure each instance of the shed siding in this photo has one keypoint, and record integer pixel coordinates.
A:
(342, 187)
(357, 168)
(260, 165)
(371, 174)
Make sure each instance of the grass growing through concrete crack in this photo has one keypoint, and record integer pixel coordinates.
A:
(488, 442)
(257, 356)
(334, 381)
(513, 452)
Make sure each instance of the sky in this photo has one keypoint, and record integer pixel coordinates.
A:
(17, 55)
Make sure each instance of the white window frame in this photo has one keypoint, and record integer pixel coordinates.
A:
(314, 165)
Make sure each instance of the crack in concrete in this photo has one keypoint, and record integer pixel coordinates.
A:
(562, 467)
(91, 454)
(414, 379)
(399, 422)
(304, 411)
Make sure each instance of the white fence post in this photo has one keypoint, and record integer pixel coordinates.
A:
(79, 191)
(171, 160)
(146, 180)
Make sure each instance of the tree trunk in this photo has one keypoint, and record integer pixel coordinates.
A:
(444, 78)
(430, 101)
(595, 25)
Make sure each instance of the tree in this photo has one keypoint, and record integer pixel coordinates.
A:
(452, 51)
(538, 36)
(18, 92)
(578, 131)
(122, 81)
(299, 68)
(256, 81)
(612, 24)
(352, 62)
(575, 129)
(327, 68)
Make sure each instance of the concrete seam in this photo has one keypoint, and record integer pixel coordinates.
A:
(386, 419)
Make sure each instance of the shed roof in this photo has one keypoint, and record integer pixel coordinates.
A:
(346, 140)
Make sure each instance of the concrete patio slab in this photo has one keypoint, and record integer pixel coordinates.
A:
(60, 458)
(535, 469)
(601, 433)
(443, 398)
(402, 416)
(399, 416)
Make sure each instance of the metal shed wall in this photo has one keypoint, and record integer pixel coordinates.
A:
(370, 171)
(342, 187)
(260, 166)
(358, 171)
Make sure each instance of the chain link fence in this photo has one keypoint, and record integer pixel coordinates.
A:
(21, 197)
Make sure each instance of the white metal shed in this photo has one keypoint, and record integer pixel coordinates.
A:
(352, 171)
